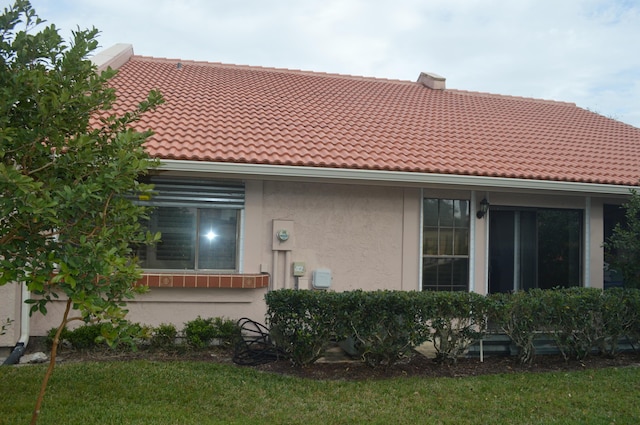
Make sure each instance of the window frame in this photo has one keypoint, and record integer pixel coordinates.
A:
(441, 259)
(198, 196)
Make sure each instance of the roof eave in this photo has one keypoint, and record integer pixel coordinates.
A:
(388, 177)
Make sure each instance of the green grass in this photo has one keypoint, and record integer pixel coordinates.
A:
(158, 393)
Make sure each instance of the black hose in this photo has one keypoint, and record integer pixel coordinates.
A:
(255, 346)
(15, 355)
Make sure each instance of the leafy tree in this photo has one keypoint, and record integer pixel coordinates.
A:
(66, 167)
(623, 246)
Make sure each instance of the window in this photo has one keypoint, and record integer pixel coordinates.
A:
(199, 223)
(445, 254)
(534, 248)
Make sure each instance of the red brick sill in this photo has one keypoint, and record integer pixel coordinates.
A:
(190, 280)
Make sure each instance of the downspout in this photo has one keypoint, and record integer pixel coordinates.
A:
(25, 317)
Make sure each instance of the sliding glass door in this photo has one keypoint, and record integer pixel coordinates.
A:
(534, 248)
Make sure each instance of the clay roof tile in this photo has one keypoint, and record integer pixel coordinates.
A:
(231, 113)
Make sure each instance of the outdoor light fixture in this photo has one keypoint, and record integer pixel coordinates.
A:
(483, 208)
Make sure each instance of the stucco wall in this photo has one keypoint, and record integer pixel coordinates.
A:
(10, 300)
(368, 236)
(360, 233)
(173, 305)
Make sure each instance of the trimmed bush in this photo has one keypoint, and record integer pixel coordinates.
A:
(581, 321)
(518, 316)
(302, 323)
(64, 337)
(201, 333)
(164, 336)
(458, 319)
(620, 310)
(85, 337)
(385, 325)
(631, 300)
(573, 317)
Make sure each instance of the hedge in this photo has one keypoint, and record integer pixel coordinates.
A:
(384, 326)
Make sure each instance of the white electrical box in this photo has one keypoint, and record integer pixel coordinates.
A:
(321, 279)
(298, 269)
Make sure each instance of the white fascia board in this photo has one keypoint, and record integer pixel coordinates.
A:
(387, 177)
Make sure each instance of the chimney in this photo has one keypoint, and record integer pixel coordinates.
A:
(114, 57)
(431, 80)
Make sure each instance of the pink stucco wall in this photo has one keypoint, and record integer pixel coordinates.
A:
(369, 236)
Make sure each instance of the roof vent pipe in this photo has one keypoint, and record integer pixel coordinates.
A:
(431, 80)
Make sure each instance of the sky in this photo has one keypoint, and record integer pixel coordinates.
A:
(582, 51)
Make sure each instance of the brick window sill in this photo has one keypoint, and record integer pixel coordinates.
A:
(191, 280)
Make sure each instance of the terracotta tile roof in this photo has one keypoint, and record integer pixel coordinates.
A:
(227, 113)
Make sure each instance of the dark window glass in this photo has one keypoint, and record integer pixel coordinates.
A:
(534, 248)
(445, 245)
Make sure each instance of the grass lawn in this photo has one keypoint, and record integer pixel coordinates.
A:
(158, 393)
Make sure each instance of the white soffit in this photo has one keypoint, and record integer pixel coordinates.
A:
(289, 172)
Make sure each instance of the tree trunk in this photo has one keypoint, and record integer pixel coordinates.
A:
(52, 363)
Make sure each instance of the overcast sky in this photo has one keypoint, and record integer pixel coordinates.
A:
(581, 51)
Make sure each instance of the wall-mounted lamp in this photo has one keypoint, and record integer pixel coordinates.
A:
(483, 208)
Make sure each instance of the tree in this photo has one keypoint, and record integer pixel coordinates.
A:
(623, 246)
(67, 169)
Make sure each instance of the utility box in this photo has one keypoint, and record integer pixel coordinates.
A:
(321, 279)
(298, 269)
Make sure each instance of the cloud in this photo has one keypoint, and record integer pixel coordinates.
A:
(580, 51)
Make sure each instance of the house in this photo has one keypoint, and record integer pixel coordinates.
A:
(276, 178)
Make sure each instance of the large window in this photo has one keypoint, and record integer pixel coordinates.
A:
(199, 223)
(445, 254)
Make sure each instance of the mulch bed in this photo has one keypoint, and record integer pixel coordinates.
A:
(421, 366)
(416, 366)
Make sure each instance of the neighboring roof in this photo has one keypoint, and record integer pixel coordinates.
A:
(241, 114)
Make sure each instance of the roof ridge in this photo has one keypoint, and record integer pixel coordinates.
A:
(267, 68)
(346, 76)
(511, 97)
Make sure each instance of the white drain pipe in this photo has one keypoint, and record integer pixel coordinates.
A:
(25, 318)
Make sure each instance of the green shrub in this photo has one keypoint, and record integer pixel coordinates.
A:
(302, 323)
(458, 319)
(124, 335)
(631, 300)
(226, 331)
(622, 248)
(85, 337)
(200, 333)
(384, 325)
(64, 337)
(580, 320)
(164, 336)
(572, 316)
(518, 316)
(619, 312)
